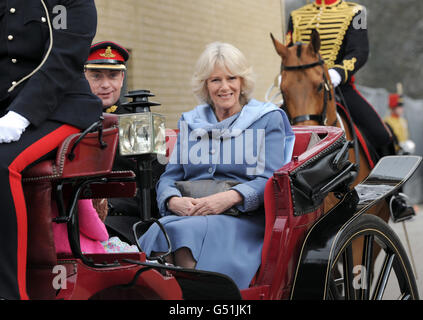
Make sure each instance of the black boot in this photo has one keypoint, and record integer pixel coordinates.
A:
(400, 210)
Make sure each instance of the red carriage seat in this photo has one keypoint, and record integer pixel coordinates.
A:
(304, 140)
(280, 210)
(171, 137)
(39, 182)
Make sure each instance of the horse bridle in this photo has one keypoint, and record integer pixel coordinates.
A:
(327, 95)
(321, 118)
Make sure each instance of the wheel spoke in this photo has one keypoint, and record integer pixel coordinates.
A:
(367, 263)
(347, 263)
(405, 297)
(333, 291)
(383, 276)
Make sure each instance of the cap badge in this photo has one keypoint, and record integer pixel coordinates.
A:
(108, 53)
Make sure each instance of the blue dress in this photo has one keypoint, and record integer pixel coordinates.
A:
(248, 147)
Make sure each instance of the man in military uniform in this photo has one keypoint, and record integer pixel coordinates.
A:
(44, 97)
(105, 71)
(345, 49)
(396, 121)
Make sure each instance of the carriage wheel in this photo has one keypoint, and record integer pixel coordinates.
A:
(376, 269)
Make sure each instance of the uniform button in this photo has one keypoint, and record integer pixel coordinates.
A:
(10, 37)
(212, 151)
(14, 60)
(43, 19)
(12, 10)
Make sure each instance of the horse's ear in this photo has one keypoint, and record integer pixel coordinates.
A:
(280, 48)
(314, 44)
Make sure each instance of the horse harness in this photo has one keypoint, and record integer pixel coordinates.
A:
(327, 95)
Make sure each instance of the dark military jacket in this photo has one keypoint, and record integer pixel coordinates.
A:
(343, 32)
(58, 90)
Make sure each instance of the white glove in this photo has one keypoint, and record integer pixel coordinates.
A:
(335, 77)
(12, 125)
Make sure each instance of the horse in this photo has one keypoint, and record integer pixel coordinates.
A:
(309, 99)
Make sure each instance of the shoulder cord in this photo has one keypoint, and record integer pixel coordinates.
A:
(50, 29)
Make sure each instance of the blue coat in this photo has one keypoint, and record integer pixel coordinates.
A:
(248, 147)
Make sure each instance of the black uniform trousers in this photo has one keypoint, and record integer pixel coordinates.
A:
(368, 121)
(34, 143)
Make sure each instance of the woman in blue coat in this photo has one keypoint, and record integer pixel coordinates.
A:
(230, 136)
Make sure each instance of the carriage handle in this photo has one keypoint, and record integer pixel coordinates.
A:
(336, 163)
(347, 176)
(169, 244)
(95, 126)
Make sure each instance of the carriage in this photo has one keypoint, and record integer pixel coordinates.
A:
(308, 252)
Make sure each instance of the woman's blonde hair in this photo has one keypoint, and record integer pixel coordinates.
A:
(222, 55)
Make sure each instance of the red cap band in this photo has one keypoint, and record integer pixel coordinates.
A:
(327, 2)
(106, 54)
(395, 100)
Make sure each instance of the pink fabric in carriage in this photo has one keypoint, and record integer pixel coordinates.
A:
(92, 231)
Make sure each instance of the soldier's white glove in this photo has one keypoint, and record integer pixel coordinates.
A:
(335, 77)
(12, 125)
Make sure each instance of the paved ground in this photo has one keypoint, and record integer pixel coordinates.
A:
(414, 229)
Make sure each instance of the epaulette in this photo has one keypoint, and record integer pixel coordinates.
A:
(331, 22)
(111, 109)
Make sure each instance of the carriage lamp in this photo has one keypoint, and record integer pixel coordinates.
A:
(142, 136)
(141, 132)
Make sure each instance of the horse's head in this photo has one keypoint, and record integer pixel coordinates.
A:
(305, 84)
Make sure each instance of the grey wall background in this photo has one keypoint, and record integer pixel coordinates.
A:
(395, 29)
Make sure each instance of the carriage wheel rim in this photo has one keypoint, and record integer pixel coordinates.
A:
(381, 283)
